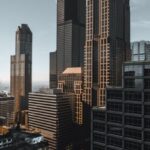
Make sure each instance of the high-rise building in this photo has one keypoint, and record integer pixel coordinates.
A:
(125, 122)
(140, 51)
(70, 81)
(50, 112)
(7, 114)
(107, 46)
(70, 34)
(21, 67)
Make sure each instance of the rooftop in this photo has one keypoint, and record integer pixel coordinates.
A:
(73, 70)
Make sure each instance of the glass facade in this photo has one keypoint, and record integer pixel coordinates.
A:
(140, 51)
(126, 118)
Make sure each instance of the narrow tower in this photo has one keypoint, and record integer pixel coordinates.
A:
(21, 68)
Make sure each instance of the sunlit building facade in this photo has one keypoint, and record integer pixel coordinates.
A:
(70, 81)
(21, 68)
(107, 46)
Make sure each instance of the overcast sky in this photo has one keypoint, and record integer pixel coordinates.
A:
(40, 15)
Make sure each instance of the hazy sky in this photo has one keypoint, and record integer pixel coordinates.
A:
(40, 15)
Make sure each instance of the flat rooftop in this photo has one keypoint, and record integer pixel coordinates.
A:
(73, 70)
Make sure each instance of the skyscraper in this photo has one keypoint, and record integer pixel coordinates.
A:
(107, 46)
(21, 67)
(140, 51)
(70, 34)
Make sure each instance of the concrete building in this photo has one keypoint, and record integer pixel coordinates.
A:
(70, 34)
(7, 112)
(125, 124)
(107, 46)
(21, 68)
(140, 51)
(70, 81)
(50, 112)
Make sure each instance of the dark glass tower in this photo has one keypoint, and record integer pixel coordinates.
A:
(70, 34)
(125, 122)
(21, 67)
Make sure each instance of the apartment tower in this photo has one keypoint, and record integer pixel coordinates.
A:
(21, 67)
(107, 46)
(70, 35)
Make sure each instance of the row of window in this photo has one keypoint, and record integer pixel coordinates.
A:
(132, 73)
(129, 120)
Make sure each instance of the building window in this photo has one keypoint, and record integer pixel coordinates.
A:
(99, 138)
(114, 95)
(147, 83)
(132, 133)
(113, 129)
(133, 108)
(99, 116)
(114, 141)
(99, 126)
(147, 136)
(129, 73)
(133, 121)
(146, 147)
(114, 118)
(98, 147)
(132, 145)
(147, 96)
(133, 96)
(146, 72)
(147, 109)
(129, 83)
(114, 106)
(147, 123)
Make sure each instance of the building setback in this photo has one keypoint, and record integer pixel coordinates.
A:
(107, 46)
(125, 124)
(70, 81)
(70, 34)
(140, 51)
(21, 68)
(50, 112)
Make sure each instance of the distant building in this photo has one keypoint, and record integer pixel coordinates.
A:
(21, 68)
(70, 34)
(125, 122)
(70, 81)
(7, 110)
(50, 112)
(22, 140)
(140, 51)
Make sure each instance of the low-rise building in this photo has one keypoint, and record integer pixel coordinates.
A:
(6, 109)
